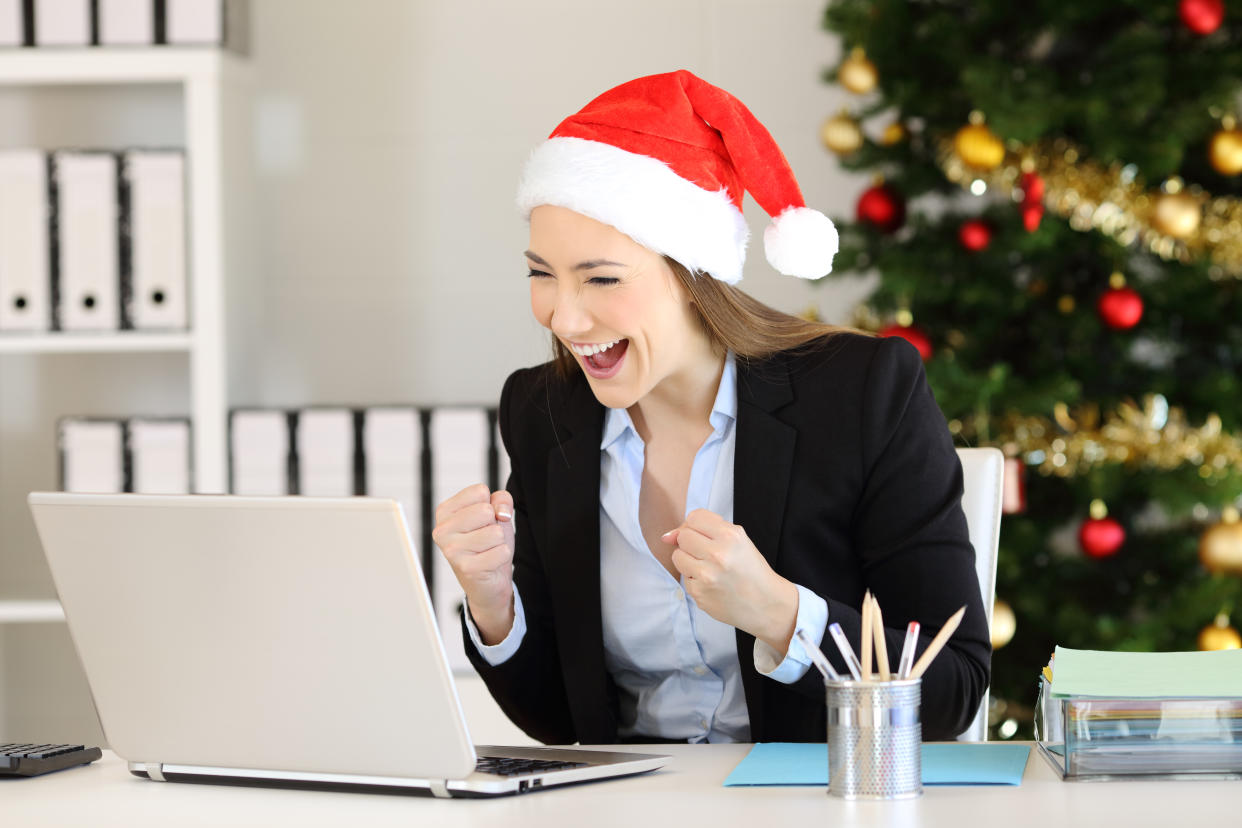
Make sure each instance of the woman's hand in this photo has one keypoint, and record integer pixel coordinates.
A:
(474, 530)
(729, 578)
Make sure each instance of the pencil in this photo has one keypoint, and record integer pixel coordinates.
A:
(865, 638)
(937, 643)
(881, 644)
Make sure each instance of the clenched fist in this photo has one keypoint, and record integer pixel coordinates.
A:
(474, 530)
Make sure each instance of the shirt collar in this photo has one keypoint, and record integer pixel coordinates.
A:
(617, 421)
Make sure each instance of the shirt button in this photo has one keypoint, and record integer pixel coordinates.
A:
(700, 670)
(681, 596)
(703, 723)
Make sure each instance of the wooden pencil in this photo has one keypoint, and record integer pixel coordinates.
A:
(937, 643)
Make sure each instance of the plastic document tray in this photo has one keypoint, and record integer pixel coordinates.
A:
(1088, 738)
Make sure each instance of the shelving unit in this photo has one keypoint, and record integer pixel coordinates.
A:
(212, 87)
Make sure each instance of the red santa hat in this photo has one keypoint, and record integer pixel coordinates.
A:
(665, 159)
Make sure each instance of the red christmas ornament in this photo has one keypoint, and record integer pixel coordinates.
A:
(1013, 487)
(1202, 16)
(975, 235)
(1101, 537)
(1032, 214)
(882, 207)
(1120, 308)
(1032, 188)
(912, 335)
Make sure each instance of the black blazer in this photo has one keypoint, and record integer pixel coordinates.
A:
(845, 478)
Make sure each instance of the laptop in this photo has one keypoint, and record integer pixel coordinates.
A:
(275, 640)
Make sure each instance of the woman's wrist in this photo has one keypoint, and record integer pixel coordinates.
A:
(493, 624)
(781, 619)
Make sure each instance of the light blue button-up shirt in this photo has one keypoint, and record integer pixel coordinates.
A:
(676, 667)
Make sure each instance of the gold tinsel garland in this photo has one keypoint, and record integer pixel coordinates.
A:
(1112, 199)
(1154, 436)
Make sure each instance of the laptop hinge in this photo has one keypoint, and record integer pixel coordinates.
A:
(439, 787)
(155, 770)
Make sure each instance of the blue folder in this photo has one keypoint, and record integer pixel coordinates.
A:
(963, 763)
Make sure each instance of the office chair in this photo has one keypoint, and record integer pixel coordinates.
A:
(983, 473)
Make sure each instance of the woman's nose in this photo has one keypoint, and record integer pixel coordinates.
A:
(569, 317)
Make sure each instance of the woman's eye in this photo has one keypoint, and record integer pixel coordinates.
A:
(534, 274)
(602, 280)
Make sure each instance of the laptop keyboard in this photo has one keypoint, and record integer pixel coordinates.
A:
(519, 767)
(31, 759)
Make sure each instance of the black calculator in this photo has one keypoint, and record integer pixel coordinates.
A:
(32, 760)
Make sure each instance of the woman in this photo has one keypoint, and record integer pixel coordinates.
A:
(696, 475)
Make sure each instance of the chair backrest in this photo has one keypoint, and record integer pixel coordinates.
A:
(983, 472)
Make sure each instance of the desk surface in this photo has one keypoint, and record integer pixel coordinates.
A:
(687, 792)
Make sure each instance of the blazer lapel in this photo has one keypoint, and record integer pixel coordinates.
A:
(572, 563)
(764, 454)
(762, 464)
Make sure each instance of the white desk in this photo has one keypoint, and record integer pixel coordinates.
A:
(686, 793)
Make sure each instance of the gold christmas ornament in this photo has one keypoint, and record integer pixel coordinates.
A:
(841, 133)
(978, 147)
(857, 73)
(1220, 546)
(1219, 635)
(1177, 214)
(1225, 150)
(1004, 624)
(893, 134)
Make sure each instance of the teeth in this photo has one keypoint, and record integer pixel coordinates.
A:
(591, 350)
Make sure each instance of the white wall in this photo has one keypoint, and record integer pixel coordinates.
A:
(389, 135)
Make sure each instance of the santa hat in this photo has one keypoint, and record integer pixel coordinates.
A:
(665, 159)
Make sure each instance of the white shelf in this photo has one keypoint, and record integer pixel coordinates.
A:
(30, 612)
(104, 65)
(85, 343)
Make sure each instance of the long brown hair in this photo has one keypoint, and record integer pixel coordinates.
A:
(733, 320)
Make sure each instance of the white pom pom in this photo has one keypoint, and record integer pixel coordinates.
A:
(801, 242)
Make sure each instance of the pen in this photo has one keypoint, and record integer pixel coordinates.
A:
(847, 652)
(817, 656)
(881, 644)
(938, 642)
(907, 650)
(864, 638)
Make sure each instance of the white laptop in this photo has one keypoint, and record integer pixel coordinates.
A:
(275, 640)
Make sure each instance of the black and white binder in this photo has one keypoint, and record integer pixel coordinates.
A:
(62, 22)
(159, 456)
(392, 445)
(92, 455)
(88, 241)
(208, 23)
(126, 22)
(459, 438)
(154, 248)
(259, 452)
(25, 266)
(12, 32)
(324, 451)
(502, 459)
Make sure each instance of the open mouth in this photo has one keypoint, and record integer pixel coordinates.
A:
(602, 360)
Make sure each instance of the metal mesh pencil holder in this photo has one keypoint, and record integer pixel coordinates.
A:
(875, 739)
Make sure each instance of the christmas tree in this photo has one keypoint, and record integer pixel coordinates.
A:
(1058, 229)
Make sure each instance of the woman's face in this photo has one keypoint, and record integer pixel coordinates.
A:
(615, 304)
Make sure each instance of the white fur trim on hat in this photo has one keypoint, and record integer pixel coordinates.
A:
(643, 198)
(801, 242)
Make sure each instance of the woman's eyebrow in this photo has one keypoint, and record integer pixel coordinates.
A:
(589, 264)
